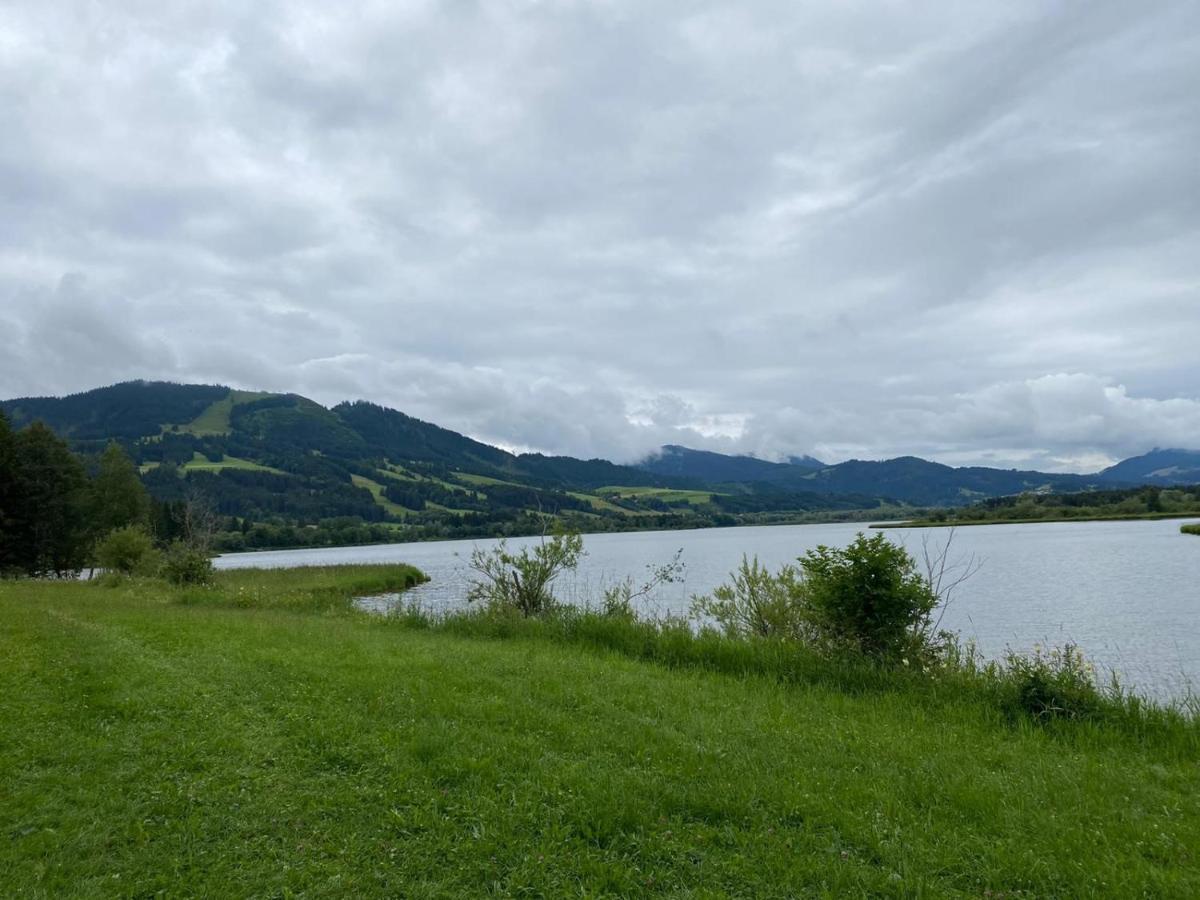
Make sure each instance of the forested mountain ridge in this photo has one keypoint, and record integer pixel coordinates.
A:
(132, 409)
(907, 479)
(283, 470)
(279, 466)
(1165, 467)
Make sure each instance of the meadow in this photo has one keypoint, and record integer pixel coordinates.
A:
(262, 738)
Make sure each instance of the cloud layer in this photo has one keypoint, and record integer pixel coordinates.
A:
(971, 232)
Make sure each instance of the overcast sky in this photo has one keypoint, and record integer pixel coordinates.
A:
(968, 231)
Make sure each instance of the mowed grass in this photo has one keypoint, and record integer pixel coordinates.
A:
(484, 479)
(376, 489)
(215, 419)
(201, 463)
(667, 495)
(396, 473)
(599, 502)
(259, 739)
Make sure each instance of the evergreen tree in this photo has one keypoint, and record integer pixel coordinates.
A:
(117, 498)
(8, 477)
(49, 533)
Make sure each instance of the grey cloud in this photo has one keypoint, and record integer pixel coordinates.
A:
(596, 228)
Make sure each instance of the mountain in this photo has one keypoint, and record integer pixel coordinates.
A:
(806, 462)
(918, 481)
(717, 468)
(907, 479)
(285, 470)
(1165, 467)
(134, 409)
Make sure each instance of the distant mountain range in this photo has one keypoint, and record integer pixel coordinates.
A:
(916, 481)
(283, 457)
(1164, 467)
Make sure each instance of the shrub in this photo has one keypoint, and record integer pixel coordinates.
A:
(128, 551)
(758, 604)
(870, 597)
(520, 582)
(183, 564)
(1052, 684)
(619, 600)
(1190, 529)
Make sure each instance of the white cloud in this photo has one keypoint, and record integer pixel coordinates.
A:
(592, 228)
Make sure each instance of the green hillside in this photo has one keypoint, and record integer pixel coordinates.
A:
(215, 420)
(282, 470)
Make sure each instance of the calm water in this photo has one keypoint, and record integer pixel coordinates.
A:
(1127, 592)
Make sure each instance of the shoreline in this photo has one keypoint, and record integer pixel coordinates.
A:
(1127, 517)
(865, 521)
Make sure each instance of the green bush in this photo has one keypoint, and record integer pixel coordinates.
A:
(520, 582)
(870, 597)
(183, 564)
(1190, 529)
(128, 551)
(1058, 683)
(619, 601)
(757, 603)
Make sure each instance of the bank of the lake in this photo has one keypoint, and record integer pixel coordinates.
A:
(261, 739)
(1126, 592)
(1149, 502)
(314, 537)
(955, 523)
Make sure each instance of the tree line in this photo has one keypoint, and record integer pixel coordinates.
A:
(55, 514)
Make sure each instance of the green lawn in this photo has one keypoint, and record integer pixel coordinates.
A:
(484, 479)
(215, 419)
(259, 740)
(665, 494)
(201, 463)
(399, 474)
(599, 502)
(396, 473)
(376, 489)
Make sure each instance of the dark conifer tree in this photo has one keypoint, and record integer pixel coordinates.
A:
(8, 477)
(49, 535)
(116, 496)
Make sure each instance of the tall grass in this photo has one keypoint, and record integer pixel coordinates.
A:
(1190, 529)
(1055, 690)
(328, 589)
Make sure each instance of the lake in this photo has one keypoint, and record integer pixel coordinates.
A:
(1128, 593)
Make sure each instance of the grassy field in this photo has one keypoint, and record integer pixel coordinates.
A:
(396, 473)
(215, 419)
(667, 495)
(376, 489)
(261, 739)
(600, 503)
(201, 463)
(484, 480)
